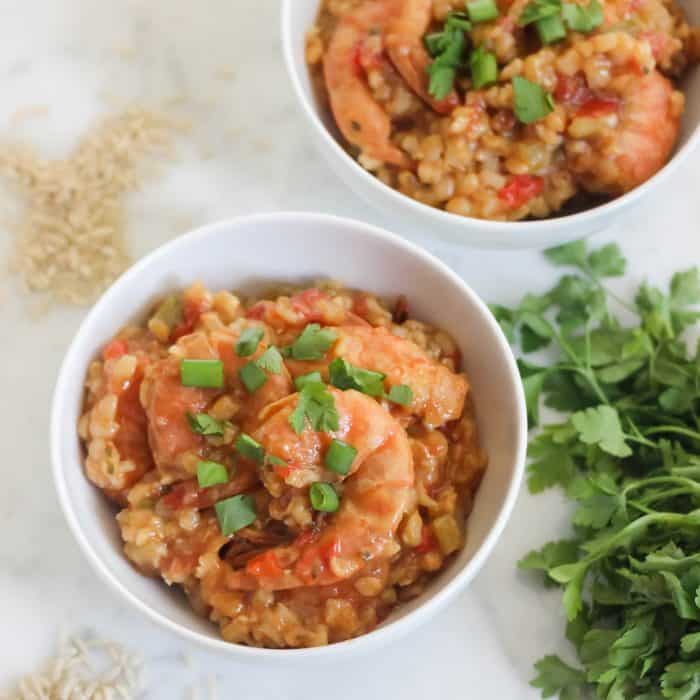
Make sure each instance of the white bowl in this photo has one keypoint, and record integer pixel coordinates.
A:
(299, 15)
(245, 253)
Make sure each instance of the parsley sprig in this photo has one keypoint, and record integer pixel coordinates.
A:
(628, 455)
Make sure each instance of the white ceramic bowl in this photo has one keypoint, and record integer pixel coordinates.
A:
(248, 252)
(299, 15)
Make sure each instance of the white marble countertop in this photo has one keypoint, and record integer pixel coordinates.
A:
(248, 151)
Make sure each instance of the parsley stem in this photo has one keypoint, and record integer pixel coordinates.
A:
(644, 483)
(675, 430)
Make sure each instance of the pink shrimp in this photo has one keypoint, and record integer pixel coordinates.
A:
(646, 113)
(438, 392)
(360, 119)
(167, 402)
(377, 492)
(408, 54)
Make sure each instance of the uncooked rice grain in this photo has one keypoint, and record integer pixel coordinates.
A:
(70, 241)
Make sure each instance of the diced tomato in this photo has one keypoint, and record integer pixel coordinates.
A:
(304, 538)
(115, 349)
(306, 304)
(428, 542)
(598, 107)
(258, 311)
(284, 470)
(520, 190)
(265, 565)
(191, 313)
(572, 91)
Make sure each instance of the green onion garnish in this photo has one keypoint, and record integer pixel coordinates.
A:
(250, 449)
(248, 341)
(551, 29)
(532, 102)
(344, 376)
(400, 394)
(315, 406)
(271, 360)
(235, 513)
(312, 377)
(539, 9)
(210, 474)
(252, 376)
(482, 10)
(458, 20)
(323, 497)
(339, 457)
(484, 68)
(443, 70)
(204, 424)
(275, 461)
(205, 374)
(312, 343)
(583, 19)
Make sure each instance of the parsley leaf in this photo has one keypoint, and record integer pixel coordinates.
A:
(315, 408)
(601, 426)
(204, 424)
(532, 102)
(343, 375)
(271, 360)
(554, 677)
(312, 344)
(443, 69)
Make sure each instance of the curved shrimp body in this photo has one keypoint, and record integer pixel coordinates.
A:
(360, 119)
(377, 492)
(625, 132)
(438, 393)
(405, 47)
(168, 403)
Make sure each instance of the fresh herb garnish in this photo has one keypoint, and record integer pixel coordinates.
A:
(400, 394)
(539, 9)
(315, 407)
(484, 68)
(312, 377)
(211, 474)
(532, 102)
(235, 513)
(204, 424)
(582, 18)
(628, 455)
(205, 374)
(312, 344)
(271, 360)
(248, 341)
(345, 376)
(252, 376)
(482, 10)
(250, 449)
(448, 51)
(339, 457)
(323, 497)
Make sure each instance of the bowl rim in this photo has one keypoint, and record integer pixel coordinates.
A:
(381, 635)
(396, 198)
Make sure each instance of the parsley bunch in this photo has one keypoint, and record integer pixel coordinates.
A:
(628, 455)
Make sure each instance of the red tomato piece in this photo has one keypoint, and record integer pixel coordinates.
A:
(520, 190)
(598, 107)
(115, 349)
(265, 565)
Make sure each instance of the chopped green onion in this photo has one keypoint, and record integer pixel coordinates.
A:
(276, 461)
(312, 377)
(532, 102)
(434, 43)
(204, 424)
(323, 497)
(339, 457)
(344, 376)
(248, 341)
(583, 19)
(271, 360)
(539, 9)
(316, 406)
(401, 394)
(205, 374)
(235, 513)
(252, 376)
(250, 449)
(484, 68)
(482, 10)
(211, 474)
(312, 343)
(458, 20)
(550, 29)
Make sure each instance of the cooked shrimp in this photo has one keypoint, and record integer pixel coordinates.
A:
(168, 402)
(115, 425)
(360, 119)
(438, 393)
(406, 50)
(377, 492)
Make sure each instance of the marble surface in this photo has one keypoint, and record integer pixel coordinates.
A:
(248, 151)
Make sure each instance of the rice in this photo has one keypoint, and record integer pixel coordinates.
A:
(73, 674)
(71, 238)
